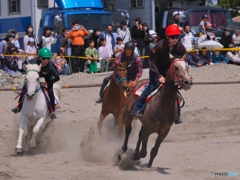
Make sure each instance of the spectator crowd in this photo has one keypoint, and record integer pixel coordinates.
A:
(103, 47)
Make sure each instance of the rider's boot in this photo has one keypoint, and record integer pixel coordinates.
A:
(99, 100)
(178, 120)
(15, 110)
(53, 116)
(137, 113)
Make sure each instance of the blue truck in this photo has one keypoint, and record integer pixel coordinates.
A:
(89, 13)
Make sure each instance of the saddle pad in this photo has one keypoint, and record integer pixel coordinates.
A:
(45, 92)
(153, 93)
(107, 85)
(140, 90)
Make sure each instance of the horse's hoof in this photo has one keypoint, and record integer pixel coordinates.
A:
(135, 157)
(18, 150)
(119, 157)
(32, 145)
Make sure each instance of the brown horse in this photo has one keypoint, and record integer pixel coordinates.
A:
(114, 99)
(160, 111)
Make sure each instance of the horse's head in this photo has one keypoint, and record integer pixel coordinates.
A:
(179, 72)
(32, 80)
(120, 73)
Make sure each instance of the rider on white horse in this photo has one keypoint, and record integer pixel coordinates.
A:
(48, 71)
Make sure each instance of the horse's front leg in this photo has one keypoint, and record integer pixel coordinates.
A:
(23, 122)
(29, 135)
(36, 129)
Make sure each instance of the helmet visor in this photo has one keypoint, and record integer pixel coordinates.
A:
(128, 50)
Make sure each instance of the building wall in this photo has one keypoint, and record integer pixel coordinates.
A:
(18, 22)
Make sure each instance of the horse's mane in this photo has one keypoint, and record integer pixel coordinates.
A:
(33, 67)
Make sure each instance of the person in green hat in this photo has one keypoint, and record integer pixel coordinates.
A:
(49, 72)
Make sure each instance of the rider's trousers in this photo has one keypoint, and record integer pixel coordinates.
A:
(153, 81)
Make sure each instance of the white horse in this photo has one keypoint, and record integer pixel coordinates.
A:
(35, 112)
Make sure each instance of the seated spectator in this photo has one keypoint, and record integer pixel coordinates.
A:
(118, 48)
(125, 33)
(236, 38)
(205, 55)
(232, 56)
(91, 53)
(12, 61)
(195, 60)
(187, 38)
(31, 49)
(135, 50)
(104, 53)
(203, 24)
(61, 63)
(218, 58)
(154, 42)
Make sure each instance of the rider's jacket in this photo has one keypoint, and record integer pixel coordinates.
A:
(159, 56)
(48, 72)
(134, 65)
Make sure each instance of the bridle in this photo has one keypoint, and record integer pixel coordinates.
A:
(38, 87)
(172, 72)
(118, 81)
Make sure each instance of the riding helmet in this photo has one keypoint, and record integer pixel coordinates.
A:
(45, 52)
(130, 45)
(172, 30)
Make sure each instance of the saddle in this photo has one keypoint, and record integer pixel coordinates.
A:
(138, 92)
(23, 95)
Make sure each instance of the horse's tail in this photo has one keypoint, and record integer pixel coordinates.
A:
(122, 119)
(57, 90)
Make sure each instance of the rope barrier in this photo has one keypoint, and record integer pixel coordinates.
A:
(224, 49)
(62, 87)
(99, 85)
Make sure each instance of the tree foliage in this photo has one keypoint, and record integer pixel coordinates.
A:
(230, 4)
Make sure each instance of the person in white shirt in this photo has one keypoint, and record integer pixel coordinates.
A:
(187, 38)
(232, 56)
(125, 33)
(47, 38)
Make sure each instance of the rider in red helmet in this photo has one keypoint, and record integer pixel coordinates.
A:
(159, 63)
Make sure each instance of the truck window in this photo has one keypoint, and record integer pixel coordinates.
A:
(90, 21)
(215, 17)
(57, 24)
(165, 16)
(46, 21)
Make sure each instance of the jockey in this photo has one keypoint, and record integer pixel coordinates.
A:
(134, 67)
(48, 71)
(159, 63)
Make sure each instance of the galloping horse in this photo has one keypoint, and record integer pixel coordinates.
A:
(35, 113)
(114, 98)
(160, 112)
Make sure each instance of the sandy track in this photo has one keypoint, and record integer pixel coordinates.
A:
(208, 140)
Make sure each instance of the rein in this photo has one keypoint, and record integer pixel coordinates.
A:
(172, 71)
